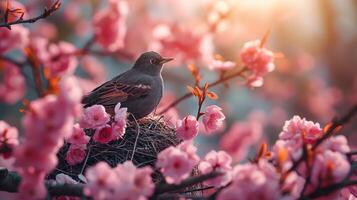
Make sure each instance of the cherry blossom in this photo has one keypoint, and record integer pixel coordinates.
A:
(219, 161)
(109, 25)
(78, 136)
(123, 182)
(61, 59)
(329, 167)
(8, 139)
(176, 163)
(213, 118)
(257, 58)
(44, 127)
(253, 181)
(102, 181)
(75, 154)
(12, 83)
(135, 183)
(184, 45)
(16, 38)
(336, 143)
(187, 128)
(104, 135)
(94, 117)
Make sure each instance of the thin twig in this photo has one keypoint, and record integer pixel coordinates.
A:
(215, 83)
(161, 189)
(47, 12)
(137, 136)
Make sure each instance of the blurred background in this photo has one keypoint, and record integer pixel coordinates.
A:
(316, 78)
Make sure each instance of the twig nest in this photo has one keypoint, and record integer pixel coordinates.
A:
(150, 135)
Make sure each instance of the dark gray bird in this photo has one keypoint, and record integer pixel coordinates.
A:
(139, 89)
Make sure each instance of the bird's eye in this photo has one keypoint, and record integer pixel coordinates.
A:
(153, 61)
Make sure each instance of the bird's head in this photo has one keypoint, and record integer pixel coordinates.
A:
(150, 63)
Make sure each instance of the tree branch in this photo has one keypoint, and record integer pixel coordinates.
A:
(215, 83)
(161, 189)
(10, 181)
(47, 12)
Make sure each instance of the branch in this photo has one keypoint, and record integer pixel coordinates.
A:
(323, 191)
(47, 12)
(10, 181)
(215, 83)
(161, 189)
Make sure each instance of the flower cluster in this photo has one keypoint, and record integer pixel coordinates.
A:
(8, 139)
(258, 60)
(212, 120)
(109, 25)
(96, 118)
(45, 127)
(125, 181)
(176, 163)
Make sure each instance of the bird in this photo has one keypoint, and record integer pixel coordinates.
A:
(139, 89)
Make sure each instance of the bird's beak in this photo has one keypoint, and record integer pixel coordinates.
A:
(165, 60)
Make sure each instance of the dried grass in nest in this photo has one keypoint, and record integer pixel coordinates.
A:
(154, 136)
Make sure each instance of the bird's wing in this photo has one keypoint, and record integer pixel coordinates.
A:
(112, 92)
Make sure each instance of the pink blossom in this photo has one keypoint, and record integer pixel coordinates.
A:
(32, 186)
(218, 64)
(240, 137)
(75, 154)
(135, 183)
(94, 117)
(253, 182)
(44, 120)
(16, 38)
(258, 59)
(119, 124)
(187, 128)
(70, 94)
(176, 163)
(45, 126)
(102, 181)
(44, 29)
(12, 83)
(219, 161)
(297, 128)
(254, 81)
(293, 184)
(109, 25)
(184, 44)
(29, 157)
(61, 60)
(336, 143)
(190, 150)
(120, 113)
(104, 135)
(78, 137)
(8, 139)
(213, 118)
(329, 167)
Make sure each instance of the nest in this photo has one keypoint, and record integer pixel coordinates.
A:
(141, 144)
